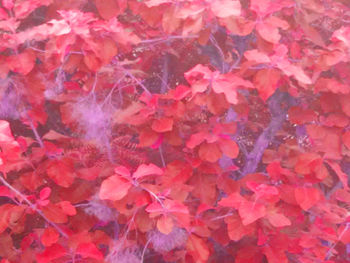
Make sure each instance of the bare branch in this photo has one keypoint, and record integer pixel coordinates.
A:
(32, 206)
(278, 116)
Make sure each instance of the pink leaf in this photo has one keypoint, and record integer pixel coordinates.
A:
(257, 56)
(89, 250)
(268, 32)
(67, 208)
(49, 237)
(181, 92)
(114, 188)
(45, 193)
(262, 190)
(195, 140)
(51, 253)
(226, 8)
(278, 220)
(122, 170)
(251, 211)
(145, 170)
(307, 197)
(162, 125)
(8, 4)
(341, 175)
(4, 191)
(152, 3)
(197, 73)
(5, 132)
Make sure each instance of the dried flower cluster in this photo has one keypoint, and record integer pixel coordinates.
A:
(100, 210)
(164, 243)
(129, 255)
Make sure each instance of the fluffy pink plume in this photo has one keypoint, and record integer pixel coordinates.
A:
(100, 210)
(165, 243)
(129, 255)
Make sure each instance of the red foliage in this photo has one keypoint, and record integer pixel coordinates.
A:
(174, 131)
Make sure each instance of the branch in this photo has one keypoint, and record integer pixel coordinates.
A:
(32, 206)
(278, 116)
(165, 75)
(165, 39)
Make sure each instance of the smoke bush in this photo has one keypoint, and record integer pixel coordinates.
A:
(129, 255)
(9, 102)
(100, 210)
(93, 119)
(165, 243)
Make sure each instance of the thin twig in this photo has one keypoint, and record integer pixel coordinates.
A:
(32, 206)
(137, 81)
(144, 250)
(36, 134)
(328, 254)
(164, 39)
(161, 156)
(220, 217)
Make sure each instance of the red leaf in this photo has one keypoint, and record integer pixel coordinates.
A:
(198, 72)
(51, 253)
(110, 8)
(163, 125)
(331, 85)
(268, 32)
(236, 230)
(298, 115)
(145, 170)
(89, 250)
(181, 92)
(335, 120)
(278, 220)
(114, 188)
(343, 177)
(49, 237)
(67, 208)
(204, 188)
(266, 81)
(228, 84)
(169, 206)
(233, 200)
(92, 61)
(229, 148)
(122, 170)
(209, 152)
(148, 137)
(165, 224)
(152, 3)
(298, 73)
(262, 190)
(251, 211)
(22, 63)
(61, 172)
(342, 195)
(45, 193)
(5, 211)
(198, 249)
(8, 4)
(4, 191)
(265, 7)
(54, 213)
(195, 140)
(307, 197)
(257, 56)
(225, 8)
(5, 132)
